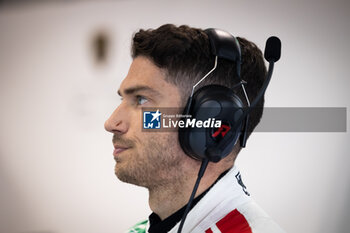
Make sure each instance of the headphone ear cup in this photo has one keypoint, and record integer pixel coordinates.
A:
(212, 102)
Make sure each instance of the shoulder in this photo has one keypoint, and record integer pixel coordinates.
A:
(246, 218)
(139, 227)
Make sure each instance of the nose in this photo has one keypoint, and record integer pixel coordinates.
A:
(117, 122)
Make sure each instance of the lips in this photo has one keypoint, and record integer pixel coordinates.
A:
(118, 150)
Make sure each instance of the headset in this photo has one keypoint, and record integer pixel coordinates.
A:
(220, 102)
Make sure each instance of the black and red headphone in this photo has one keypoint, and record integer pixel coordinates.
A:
(221, 103)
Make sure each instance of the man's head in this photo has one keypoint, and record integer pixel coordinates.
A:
(167, 62)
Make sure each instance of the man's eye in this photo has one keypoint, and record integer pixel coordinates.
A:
(141, 100)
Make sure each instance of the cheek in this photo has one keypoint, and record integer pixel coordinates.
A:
(135, 122)
(169, 142)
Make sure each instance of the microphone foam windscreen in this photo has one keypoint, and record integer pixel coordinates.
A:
(272, 49)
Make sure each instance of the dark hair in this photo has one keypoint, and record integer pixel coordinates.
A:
(184, 54)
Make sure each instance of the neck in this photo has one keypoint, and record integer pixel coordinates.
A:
(166, 199)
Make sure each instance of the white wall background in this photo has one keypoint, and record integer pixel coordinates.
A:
(56, 163)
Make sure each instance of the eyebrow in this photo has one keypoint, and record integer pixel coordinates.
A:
(133, 90)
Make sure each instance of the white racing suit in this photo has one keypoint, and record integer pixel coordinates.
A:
(226, 208)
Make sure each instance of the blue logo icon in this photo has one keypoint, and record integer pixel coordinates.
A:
(151, 120)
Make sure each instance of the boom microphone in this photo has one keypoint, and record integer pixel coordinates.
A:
(272, 54)
(272, 49)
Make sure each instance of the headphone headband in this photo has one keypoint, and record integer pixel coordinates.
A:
(225, 45)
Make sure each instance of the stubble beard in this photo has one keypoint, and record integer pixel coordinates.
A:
(155, 164)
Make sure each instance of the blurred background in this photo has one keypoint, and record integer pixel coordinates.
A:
(61, 63)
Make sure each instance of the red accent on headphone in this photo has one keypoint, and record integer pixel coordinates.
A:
(223, 130)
